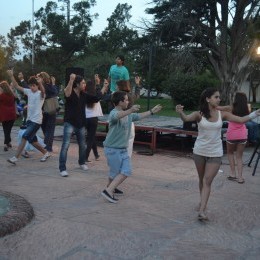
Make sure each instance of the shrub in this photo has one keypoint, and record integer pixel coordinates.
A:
(185, 89)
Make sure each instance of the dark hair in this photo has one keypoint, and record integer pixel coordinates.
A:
(204, 106)
(77, 81)
(91, 90)
(240, 107)
(123, 86)
(117, 97)
(32, 80)
(121, 57)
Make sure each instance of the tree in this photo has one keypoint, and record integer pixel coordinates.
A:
(219, 30)
(116, 37)
(54, 31)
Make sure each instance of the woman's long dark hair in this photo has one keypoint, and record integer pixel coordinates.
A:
(204, 106)
(240, 107)
(91, 90)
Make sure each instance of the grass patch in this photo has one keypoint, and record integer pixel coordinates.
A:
(167, 104)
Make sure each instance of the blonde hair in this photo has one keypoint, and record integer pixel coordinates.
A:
(6, 88)
(45, 77)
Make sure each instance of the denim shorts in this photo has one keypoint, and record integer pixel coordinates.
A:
(30, 132)
(118, 161)
(203, 159)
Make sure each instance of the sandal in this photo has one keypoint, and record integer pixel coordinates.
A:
(241, 181)
(231, 178)
(202, 216)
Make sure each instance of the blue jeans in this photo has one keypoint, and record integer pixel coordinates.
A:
(80, 134)
(30, 132)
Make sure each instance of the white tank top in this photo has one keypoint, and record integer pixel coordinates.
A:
(208, 142)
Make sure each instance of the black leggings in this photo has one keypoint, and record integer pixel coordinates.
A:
(91, 127)
(7, 126)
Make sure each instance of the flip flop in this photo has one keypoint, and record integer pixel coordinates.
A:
(231, 178)
(241, 181)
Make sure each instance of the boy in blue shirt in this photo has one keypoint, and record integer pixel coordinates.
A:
(116, 142)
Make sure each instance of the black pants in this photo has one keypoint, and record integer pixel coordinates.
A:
(48, 129)
(7, 127)
(91, 127)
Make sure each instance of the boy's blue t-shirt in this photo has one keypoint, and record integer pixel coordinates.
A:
(119, 129)
(117, 73)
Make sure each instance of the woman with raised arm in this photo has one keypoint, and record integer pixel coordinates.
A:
(208, 149)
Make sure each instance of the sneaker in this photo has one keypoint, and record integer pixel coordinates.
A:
(45, 157)
(118, 192)
(5, 148)
(97, 158)
(25, 155)
(12, 160)
(64, 174)
(108, 197)
(83, 167)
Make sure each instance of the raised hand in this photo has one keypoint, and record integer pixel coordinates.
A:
(135, 108)
(156, 109)
(179, 108)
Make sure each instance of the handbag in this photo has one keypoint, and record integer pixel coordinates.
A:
(51, 105)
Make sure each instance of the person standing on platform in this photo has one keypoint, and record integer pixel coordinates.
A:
(208, 148)
(7, 112)
(117, 140)
(118, 72)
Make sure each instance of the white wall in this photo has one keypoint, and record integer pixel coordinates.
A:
(245, 88)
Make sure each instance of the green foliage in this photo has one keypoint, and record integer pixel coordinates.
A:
(167, 104)
(185, 89)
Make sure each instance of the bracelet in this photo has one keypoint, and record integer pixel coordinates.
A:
(151, 112)
(252, 115)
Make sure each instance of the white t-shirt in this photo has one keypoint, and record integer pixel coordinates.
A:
(94, 111)
(35, 102)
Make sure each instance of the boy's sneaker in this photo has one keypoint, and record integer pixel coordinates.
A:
(25, 155)
(97, 158)
(118, 192)
(45, 157)
(12, 160)
(107, 196)
(64, 174)
(83, 167)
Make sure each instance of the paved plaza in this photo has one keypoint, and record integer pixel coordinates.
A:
(155, 219)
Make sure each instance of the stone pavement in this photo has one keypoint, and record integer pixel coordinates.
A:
(155, 219)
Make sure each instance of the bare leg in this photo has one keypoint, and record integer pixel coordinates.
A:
(109, 181)
(231, 148)
(20, 148)
(39, 147)
(211, 171)
(239, 157)
(117, 181)
(200, 166)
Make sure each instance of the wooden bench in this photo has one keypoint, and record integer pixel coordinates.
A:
(152, 133)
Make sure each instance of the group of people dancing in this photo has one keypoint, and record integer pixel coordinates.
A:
(81, 112)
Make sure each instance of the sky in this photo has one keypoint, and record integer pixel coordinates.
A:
(15, 11)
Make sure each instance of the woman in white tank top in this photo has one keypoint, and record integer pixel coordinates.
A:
(208, 148)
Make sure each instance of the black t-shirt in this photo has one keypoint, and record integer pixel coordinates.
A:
(75, 108)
